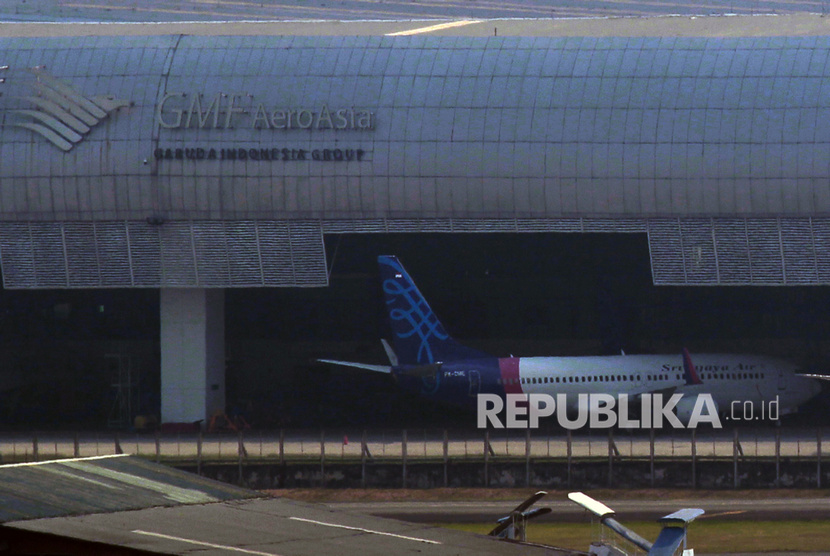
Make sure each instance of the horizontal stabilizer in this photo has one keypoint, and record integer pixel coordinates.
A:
(594, 506)
(376, 368)
(390, 353)
(606, 516)
(526, 515)
(513, 526)
(536, 512)
(530, 501)
(680, 517)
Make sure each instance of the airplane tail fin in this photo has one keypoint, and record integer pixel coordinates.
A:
(418, 335)
(689, 371)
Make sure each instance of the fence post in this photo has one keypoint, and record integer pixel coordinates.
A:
(777, 457)
(403, 456)
(486, 458)
(158, 446)
(694, 458)
(363, 450)
(610, 458)
(34, 448)
(736, 446)
(281, 480)
(118, 449)
(199, 453)
(818, 457)
(527, 456)
(323, 457)
(570, 455)
(242, 453)
(446, 458)
(77, 446)
(651, 454)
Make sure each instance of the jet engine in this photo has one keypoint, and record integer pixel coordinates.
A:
(685, 408)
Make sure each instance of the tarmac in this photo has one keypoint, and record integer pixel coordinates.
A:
(729, 508)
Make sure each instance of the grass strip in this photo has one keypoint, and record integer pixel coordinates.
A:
(704, 536)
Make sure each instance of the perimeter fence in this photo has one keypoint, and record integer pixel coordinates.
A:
(486, 451)
(417, 444)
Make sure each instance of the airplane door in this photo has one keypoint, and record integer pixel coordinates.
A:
(475, 382)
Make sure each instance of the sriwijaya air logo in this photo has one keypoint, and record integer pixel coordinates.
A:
(58, 112)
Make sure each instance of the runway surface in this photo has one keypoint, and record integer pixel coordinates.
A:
(768, 509)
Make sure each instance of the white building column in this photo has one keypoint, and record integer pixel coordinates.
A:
(192, 354)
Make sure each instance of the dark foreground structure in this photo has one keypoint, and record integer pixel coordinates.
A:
(118, 505)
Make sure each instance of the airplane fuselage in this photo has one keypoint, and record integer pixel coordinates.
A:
(728, 378)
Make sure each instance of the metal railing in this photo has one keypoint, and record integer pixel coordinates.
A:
(418, 444)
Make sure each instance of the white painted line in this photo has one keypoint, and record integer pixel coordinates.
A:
(171, 492)
(432, 28)
(75, 477)
(202, 543)
(361, 529)
(32, 463)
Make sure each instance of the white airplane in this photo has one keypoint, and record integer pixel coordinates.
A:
(430, 362)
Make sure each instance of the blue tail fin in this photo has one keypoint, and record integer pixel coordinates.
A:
(419, 336)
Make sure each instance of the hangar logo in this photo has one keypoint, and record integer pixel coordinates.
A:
(61, 114)
(231, 110)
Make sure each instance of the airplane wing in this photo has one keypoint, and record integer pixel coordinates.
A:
(817, 377)
(366, 366)
(666, 392)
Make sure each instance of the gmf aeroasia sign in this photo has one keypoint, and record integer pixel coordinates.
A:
(240, 110)
(603, 411)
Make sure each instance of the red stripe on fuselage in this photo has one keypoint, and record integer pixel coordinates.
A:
(509, 369)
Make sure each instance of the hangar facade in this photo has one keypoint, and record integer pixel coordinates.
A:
(193, 163)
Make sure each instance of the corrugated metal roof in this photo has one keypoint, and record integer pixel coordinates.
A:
(102, 485)
(136, 506)
(272, 527)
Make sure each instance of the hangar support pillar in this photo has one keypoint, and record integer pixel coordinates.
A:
(192, 354)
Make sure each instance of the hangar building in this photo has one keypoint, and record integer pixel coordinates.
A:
(195, 162)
